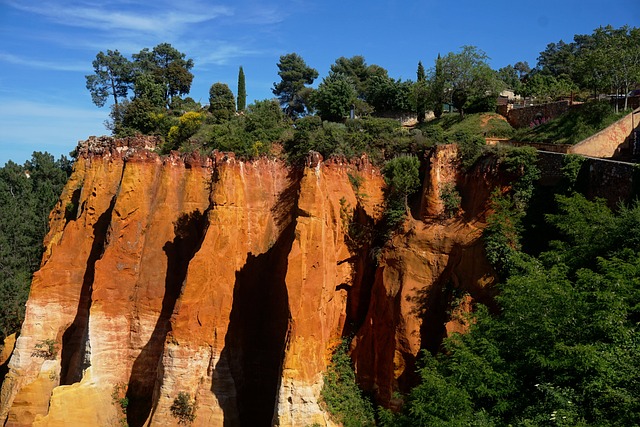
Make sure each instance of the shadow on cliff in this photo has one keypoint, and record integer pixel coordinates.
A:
(255, 342)
(361, 237)
(189, 230)
(74, 355)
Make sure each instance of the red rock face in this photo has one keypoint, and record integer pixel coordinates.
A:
(231, 281)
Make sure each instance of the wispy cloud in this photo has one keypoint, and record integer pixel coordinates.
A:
(221, 53)
(46, 65)
(121, 16)
(19, 108)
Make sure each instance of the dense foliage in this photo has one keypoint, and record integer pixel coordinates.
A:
(292, 90)
(341, 395)
(147, 93)
(242, 91)
(27, 194)
(564, 347)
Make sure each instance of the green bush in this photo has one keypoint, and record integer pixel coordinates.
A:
(184, 408)
(450, 199)
(119, 398)
(342, 396)
(46, 349)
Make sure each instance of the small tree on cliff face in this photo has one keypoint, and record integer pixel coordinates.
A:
(402, 176)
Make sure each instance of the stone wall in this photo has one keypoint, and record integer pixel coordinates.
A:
(522, 117)
(612, 142)
(609, 179)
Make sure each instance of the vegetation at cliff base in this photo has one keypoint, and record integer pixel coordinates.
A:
(564, 347)
(341, 395)
(28, 193)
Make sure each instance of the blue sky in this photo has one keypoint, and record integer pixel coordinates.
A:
(47, 46)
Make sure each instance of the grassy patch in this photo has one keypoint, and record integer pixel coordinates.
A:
(483, 124)
(572, 127)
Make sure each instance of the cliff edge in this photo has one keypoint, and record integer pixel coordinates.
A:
(232, 281)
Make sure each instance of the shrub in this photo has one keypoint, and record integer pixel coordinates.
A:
(47, 349)
(187, 126)
(402, 176)
(470, 147)
(183, 408)
(342, 396)
(451, 199)
(119, 398)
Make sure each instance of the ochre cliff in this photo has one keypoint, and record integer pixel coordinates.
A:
(233, 281)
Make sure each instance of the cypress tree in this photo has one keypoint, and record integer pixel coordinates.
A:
(421, 93)
(438, 88)
(242, 91)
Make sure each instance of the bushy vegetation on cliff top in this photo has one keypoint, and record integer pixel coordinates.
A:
(149, 94)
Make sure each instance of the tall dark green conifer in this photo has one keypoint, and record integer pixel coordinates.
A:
(421, 93)
(242, 91)
(437, 89)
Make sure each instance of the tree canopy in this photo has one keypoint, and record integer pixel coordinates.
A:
(168, 66)
(221, 101)
(242, 91)
(27, 194)
(292, 91)
(469, 78)
(112, 77)
(334, 97)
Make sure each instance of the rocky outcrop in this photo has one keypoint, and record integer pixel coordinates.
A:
(232, 281)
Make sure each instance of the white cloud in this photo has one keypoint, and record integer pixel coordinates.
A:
(46, 65)
(120, 16)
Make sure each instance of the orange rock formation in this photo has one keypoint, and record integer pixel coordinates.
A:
(232, 281)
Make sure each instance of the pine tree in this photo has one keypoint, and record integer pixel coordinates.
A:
(242, 91)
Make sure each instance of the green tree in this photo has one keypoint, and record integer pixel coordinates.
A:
(334, 97)
(132, 117)
(386, 94)
(557, 59)
(357, 69)
(546, 87)
(341, 394)
(402, 176)
(421, 91)
(112, 77)
(187, 126)
(242, 91)
(147, 87)
(27, 195)
(522, 68)
(470, 79)
(563, 347)
(169, 67)
(291, 90)
(437, 88)
(222, 104)
(510, 77)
